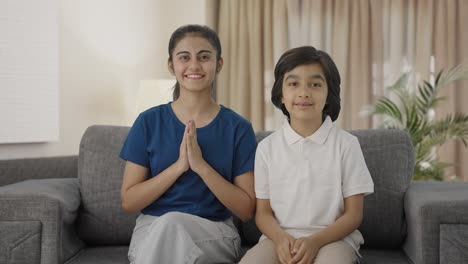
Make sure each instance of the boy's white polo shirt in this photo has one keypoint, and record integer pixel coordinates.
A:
(307, 179)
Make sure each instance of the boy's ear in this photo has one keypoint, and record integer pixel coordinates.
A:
(219, 65)
(170, 67)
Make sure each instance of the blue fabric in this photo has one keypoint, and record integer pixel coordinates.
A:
(228, 144)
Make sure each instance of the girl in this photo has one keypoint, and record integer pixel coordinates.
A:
(310, 176)
(189, 164)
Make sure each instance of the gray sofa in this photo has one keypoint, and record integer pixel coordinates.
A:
(67, 209)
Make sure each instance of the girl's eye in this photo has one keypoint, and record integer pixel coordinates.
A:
(317, 85)
(204, 57)
(293, 84)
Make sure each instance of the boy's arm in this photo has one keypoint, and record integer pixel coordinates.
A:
(266, 222)
(268, 225)
(343, 226)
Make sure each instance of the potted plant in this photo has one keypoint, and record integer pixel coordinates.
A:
(412, 108)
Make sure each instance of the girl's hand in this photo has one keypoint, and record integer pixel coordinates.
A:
(284, 247)
(183, 163)
(194, 153)
(305, 250)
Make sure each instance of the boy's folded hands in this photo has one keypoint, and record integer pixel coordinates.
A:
(304, 250)
(284, 248)
(296, 251)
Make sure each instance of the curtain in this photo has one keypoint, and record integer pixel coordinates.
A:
(253, 35)
(450, 42)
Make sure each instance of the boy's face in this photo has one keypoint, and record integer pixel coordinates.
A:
(305, 93)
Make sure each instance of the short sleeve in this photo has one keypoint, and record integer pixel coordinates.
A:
(244, 150)
(134, 147)
(261, 179)
(355, 175)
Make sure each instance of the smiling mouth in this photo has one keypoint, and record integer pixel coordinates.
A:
(194, 76)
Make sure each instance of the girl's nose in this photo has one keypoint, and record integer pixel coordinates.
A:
(194, 64)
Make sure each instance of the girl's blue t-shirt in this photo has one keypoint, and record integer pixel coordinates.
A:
(227, 143)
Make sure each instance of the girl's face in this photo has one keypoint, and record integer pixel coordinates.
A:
(305, 93)
(194, 64)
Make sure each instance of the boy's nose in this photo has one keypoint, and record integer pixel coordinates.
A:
(303, 93)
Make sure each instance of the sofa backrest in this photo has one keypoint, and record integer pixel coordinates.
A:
(389, 157)
(101, 221)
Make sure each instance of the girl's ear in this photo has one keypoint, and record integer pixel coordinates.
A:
(170, 67)
(219, 65)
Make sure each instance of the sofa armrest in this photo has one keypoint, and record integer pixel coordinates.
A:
(16, 170)
(437, 218)
(37, 216)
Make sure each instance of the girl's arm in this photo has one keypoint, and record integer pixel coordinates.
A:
(307, 247)
(268, 225)
(137, 192)
(238, 197)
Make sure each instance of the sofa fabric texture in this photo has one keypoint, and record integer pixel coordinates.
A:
(16, 170)
(53, 205)
(434, 211)
(101, 220)
(75, 215)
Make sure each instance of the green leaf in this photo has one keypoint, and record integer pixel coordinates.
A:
(407, 109)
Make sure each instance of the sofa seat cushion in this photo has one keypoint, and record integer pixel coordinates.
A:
(106, 255)
(381, 256)
(101, 255)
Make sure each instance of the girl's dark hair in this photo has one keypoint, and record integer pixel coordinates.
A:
(304, 56)
(192, 30)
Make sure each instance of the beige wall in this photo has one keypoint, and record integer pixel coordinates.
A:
(106, 48)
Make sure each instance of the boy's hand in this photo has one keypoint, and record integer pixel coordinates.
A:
(284, 248)
(304, 250)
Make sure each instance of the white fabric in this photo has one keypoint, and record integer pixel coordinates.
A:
(181, 238)
(307, 179)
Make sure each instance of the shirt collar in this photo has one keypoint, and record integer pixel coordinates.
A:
(319, 136)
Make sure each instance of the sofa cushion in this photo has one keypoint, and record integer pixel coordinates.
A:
(101, 219)
(372, 256)
(390, 159)
(101, 255)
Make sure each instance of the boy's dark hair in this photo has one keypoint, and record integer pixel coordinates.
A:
(192, 30)
(304, 56)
